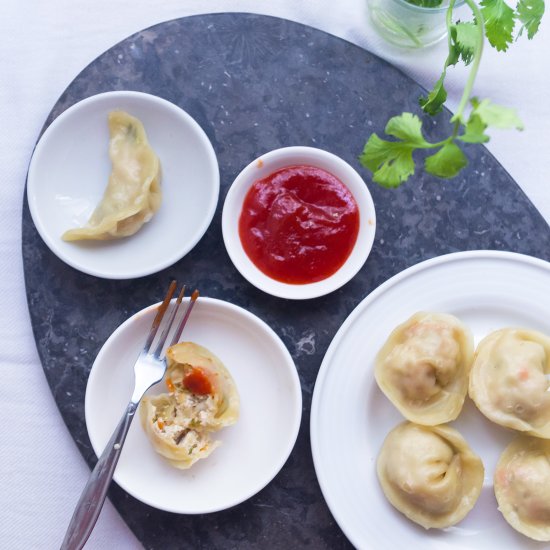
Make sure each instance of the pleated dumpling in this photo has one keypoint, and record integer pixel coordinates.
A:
(430, 474)
(522, 486)
(202, 399)
(133, 192)
(423, 367)
(509, 380)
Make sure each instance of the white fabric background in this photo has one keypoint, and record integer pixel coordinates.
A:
(43, 46)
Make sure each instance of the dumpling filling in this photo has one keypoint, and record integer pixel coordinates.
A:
(202, 398)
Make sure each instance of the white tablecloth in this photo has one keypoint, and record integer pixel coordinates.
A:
(44, 45)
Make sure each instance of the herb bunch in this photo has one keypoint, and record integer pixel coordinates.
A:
(392, 162)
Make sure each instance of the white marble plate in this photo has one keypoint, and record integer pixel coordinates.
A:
(350, 416)
(70, 168)
(252, 451)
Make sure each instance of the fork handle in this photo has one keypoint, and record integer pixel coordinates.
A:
(93, 496)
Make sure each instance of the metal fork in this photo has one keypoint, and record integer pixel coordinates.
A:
(148, 370)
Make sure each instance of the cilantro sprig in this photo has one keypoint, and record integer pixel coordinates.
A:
(391, 161)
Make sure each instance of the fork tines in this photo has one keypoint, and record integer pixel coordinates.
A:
(175, 319)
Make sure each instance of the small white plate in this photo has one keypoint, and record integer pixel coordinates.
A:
(252, 451)
(487, 291)
(263, 167)
(70, 169)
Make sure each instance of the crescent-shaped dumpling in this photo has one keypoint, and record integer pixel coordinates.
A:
(202, 399)
(522, 486)
(430, 474)
(423, 367)
(133, 193)
(509, 380)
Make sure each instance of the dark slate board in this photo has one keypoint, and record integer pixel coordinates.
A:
(256, 83)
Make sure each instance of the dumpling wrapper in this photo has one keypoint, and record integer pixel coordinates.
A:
(423, 367)
(133, 192)
(430, 474)
(508, 380)
(202, 399)
(522, 486)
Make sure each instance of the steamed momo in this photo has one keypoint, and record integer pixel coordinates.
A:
(423, 367)
(133, 193)
(202, 399)
(430, 474)
(522, 486)
(508, 381)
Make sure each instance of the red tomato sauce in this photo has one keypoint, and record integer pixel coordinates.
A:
(197, 382)
(299, 224)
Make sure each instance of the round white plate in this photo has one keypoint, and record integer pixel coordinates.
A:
(70, 169)
(350, 417)
(263, 167)
(252, 451)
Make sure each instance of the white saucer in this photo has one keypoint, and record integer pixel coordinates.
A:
(70, 168)
(263, 167)
(252, 451)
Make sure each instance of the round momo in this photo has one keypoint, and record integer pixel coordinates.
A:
(423, 367)
(522, 486)
(430, 474)
(508, 381)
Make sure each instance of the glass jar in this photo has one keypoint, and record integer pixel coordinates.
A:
(407, 25)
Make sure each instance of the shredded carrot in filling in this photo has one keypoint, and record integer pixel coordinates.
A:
(523, 374)
(160, 424)
(170, 385)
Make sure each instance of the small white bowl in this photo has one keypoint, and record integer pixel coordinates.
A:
(253, 450)
(266, 165)
(70, 169)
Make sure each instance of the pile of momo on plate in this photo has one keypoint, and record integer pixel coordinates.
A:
(426, 469)
(202, 399)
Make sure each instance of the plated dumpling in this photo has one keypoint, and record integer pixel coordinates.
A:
(430, 474)
(509, 383)
(522, 486)
(202, 399)
(133, 193)
(423, 367)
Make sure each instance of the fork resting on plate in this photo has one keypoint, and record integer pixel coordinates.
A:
(148, 370)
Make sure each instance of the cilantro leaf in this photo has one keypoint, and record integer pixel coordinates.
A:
(447, 162)
(433, 102)
(407, 127)
(529, 13)
(495, 115)
(499, 23)
(474, 131)
(426, 3)
(464, 38)
(391, 162)
(462, 46)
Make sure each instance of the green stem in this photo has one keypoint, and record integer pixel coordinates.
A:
(475, 64)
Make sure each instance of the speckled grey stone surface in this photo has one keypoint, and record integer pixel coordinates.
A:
(255, 83)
